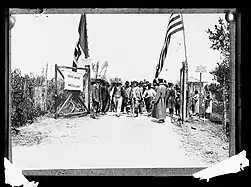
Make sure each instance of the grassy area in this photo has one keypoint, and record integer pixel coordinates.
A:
(206, 140)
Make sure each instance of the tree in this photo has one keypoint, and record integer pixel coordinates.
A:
(23, 109)
(114, 80)
(99, 70)
(220, 39)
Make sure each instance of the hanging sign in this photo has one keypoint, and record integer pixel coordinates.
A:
(73, 81)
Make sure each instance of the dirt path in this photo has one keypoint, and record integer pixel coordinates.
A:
(83, 142)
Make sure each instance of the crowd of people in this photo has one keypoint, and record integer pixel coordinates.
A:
(136, 98)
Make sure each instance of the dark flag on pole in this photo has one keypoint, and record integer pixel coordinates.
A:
(175, 24)
(82, 44)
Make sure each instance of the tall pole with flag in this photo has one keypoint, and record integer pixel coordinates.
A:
(82, 43)
(184, 98)
(174, 25)
(80, 49)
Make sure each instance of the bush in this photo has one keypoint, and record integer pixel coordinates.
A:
(217, 107)
(216, 118)
(23, 109)
(62, 94)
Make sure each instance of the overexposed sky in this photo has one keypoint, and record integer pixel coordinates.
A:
(131, 43)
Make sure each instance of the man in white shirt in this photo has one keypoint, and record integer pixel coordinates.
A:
(136, 97)
(117, 95)
(149, 96)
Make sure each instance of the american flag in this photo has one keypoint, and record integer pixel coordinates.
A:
(175, 24)
(82, 44)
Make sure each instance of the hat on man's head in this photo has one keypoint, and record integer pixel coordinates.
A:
(135, 82)
(170, 84)
(161, 80)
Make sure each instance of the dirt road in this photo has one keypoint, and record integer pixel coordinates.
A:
(110, 141)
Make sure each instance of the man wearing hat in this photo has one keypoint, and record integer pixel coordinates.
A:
(127, 96)
(171, 99)
(149, 96)
(106, 97)
(135, 98)
(117, 95)
(95, 98)
(159, 110)
(141, 102)
(177, 104)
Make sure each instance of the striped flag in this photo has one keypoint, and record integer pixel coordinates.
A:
(175, 24)
(82, 44)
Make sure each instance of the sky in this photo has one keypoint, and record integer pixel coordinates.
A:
(131, 43)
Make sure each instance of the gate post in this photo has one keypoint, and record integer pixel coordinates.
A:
(56, 90)
(183, 82)
(88, 86)
(182, 91)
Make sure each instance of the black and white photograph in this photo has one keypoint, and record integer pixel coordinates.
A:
(92, 91)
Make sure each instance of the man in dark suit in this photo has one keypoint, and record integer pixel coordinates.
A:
(95, 99)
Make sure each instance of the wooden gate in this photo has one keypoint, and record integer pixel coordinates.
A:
(77, 102)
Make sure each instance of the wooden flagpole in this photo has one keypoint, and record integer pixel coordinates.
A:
(184, 98)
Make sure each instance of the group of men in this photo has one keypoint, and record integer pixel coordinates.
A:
(135, 98)
(132, 97)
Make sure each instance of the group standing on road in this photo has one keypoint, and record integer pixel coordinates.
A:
(136, 98)
(156, 99)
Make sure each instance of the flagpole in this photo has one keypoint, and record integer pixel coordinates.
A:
(185, 73)
(184, 38)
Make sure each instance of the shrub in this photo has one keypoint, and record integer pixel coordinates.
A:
(62, 94)
(216, 118)
(23, 109)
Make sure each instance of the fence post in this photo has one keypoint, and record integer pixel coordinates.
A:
(88, 86)
(56, 90)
